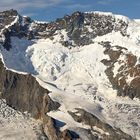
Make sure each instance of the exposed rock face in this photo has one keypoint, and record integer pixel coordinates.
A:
(23, 93)
(128, 69)
(7, 17)
(80, 27)
(78, 24)
(96, 125)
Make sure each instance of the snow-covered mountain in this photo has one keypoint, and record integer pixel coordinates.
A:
(75, 78)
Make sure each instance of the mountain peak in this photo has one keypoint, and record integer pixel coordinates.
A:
(119, 17)
(81, 28)
(10, 12)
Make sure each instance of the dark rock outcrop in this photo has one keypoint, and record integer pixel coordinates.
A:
(78, 27)
(23, 93)
(6, 19)
(110, 133)
(128, 69)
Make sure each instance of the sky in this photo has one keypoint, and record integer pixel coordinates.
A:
(49, 10)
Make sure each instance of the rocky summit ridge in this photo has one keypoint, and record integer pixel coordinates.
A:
(80, 27)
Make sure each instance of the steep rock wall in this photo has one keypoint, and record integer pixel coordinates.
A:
(23, 93)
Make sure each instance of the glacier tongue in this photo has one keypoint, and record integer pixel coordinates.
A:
(81, 83)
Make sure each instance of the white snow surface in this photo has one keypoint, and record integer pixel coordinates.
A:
(16, 59)
(79, 77)
(80, 80)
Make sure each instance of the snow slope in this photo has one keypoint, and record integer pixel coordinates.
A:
(82, 83)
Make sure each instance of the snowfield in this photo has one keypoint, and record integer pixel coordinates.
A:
(83, 84)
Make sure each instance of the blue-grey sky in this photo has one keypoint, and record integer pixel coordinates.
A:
(48, 10)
